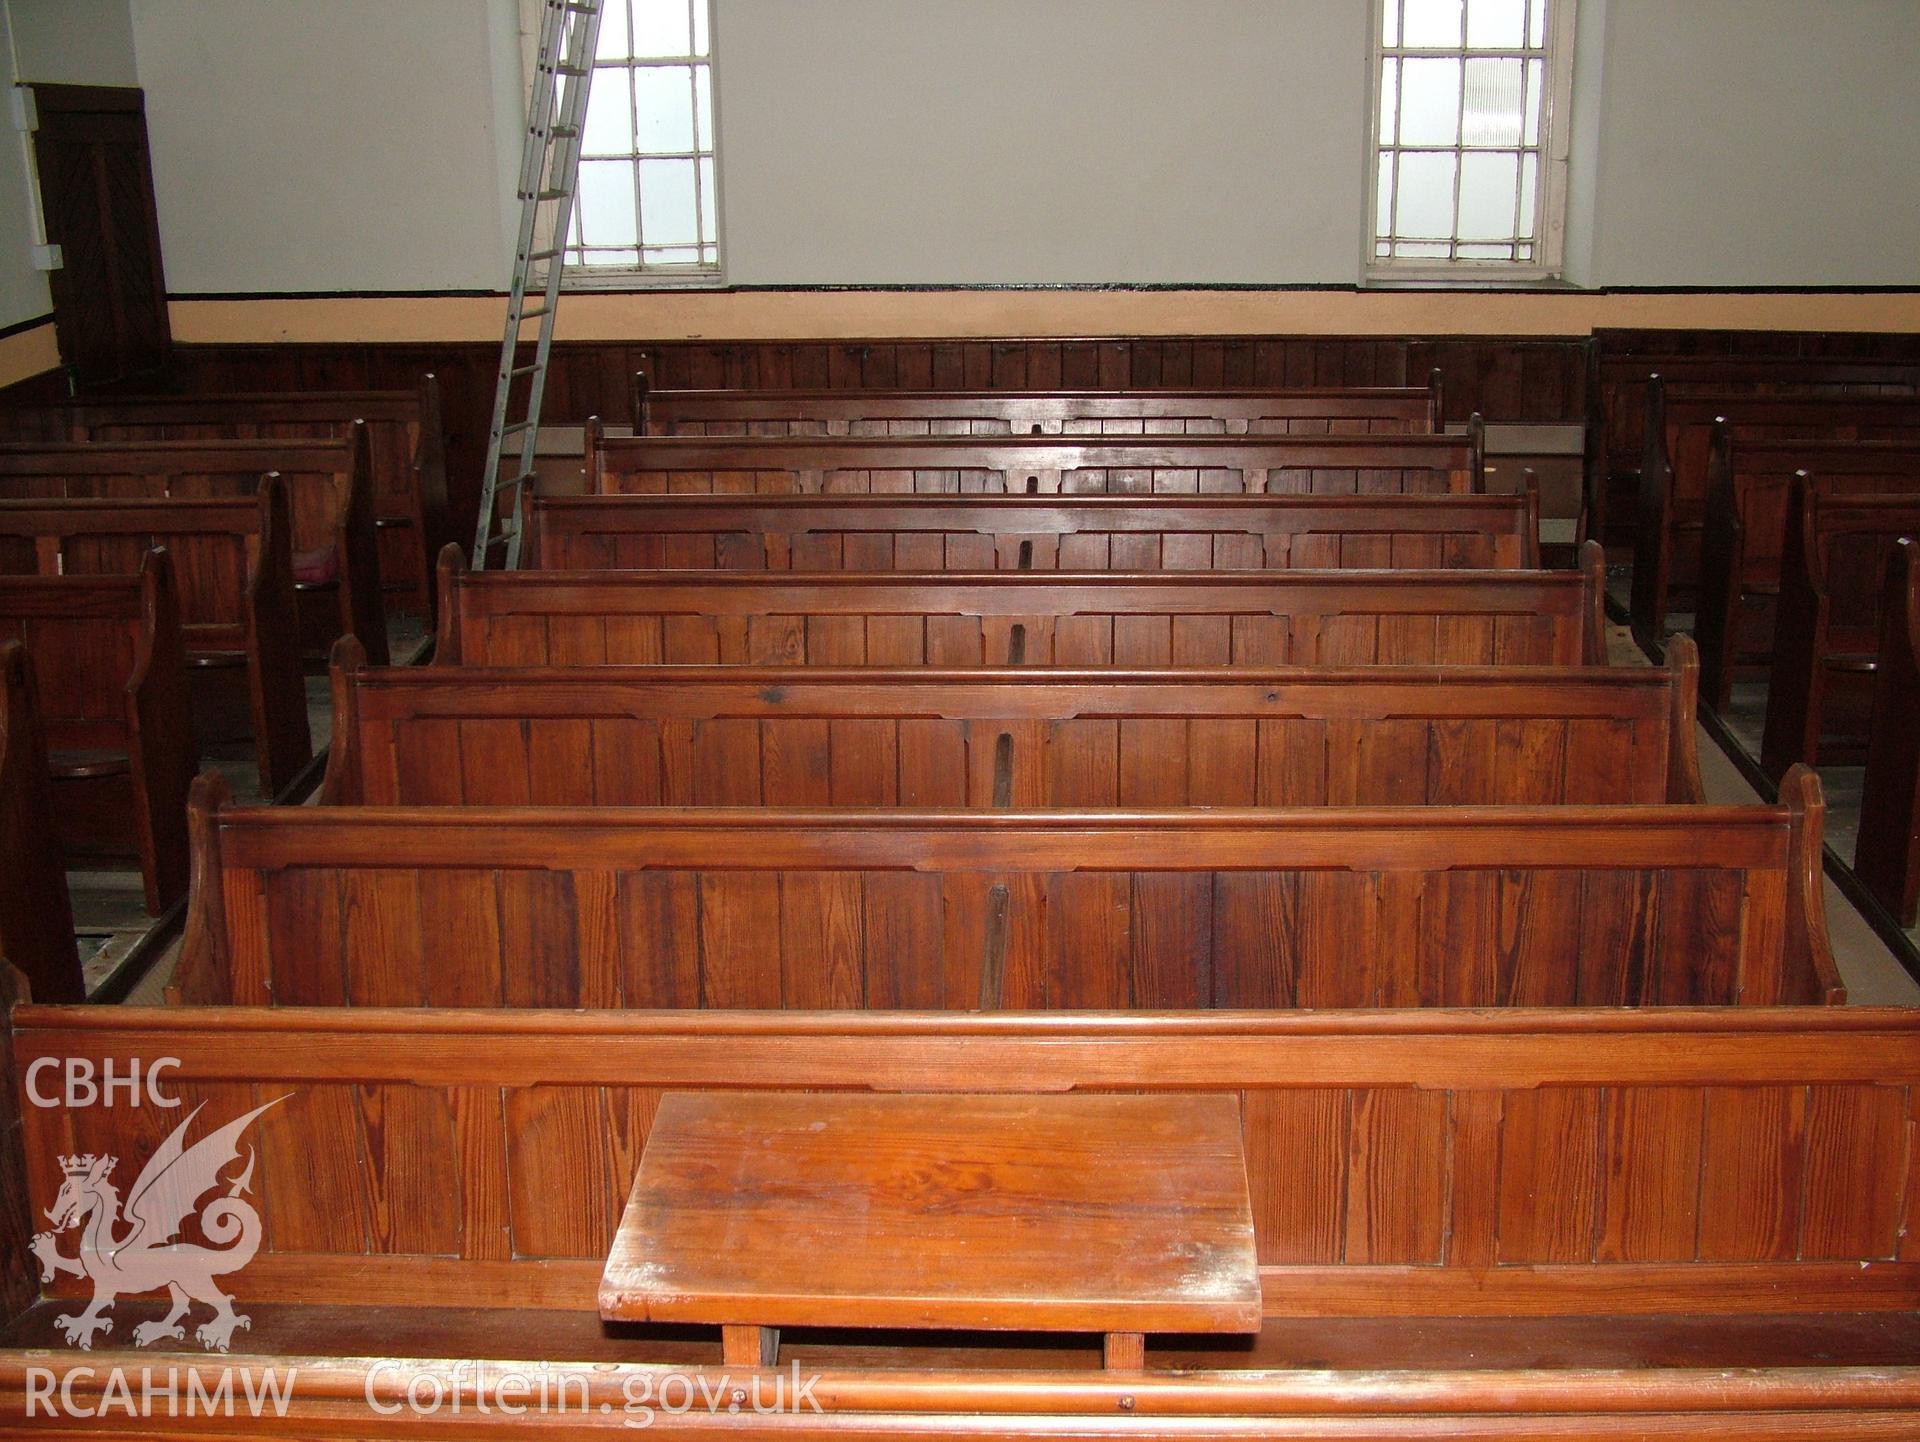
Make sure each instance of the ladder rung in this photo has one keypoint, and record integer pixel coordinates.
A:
(538, 195)
(577, 71)
(520, 480)
(515, 428)
(519, 371)
(534, 314)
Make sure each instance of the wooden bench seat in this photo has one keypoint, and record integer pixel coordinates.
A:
(1043, 465)
(1381, 410)
(1025, 533)
(825, 908)
(406, 452)
(1674, 475)
(233, 566)
(335, 545)
(1617, 406)
(1583, 1223)
(114, 710)
(1024, 737)
(1826, 645)
(36, 913)
(1222, 618)
(1748, 483)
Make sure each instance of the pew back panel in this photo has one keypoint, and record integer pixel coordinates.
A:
(548, 618)
(1674, 482)
(406, 452)
(334, 536)
(1744, 536)
(1617, 406)
(1369, 411)
(1886, 857)
(857, 909)
(1833, 581)
(232, 561)
(740, 736)
(1045, 465)
(1008, 533)
(114, 710)
(1438, 1164)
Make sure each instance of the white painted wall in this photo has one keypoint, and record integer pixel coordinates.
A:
(317, 145)
(370, 145)
(74, 42)
(23, 290)
(1759, 142)
(1070, 140)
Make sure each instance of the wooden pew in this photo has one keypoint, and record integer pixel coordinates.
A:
(1745, 529)
(114, 709)
(1832, 582)
(1886, 856)
(1025, 738)
(335, 544)
(232, 561)
(1383, 410)
(873, 908)
(1617, 406)
(1031, 533)
(36, 914)
(1683, 1224)
(1673, 475)
(406, 452)
(1223, 618)
(1041, 465)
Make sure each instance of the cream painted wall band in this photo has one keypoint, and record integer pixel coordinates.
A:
(815, 315)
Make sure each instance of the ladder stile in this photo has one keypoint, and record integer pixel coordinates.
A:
(549, 177)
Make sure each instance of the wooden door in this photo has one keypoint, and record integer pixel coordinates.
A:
(96, 186)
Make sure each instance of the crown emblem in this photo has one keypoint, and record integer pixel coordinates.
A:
(81, 1166)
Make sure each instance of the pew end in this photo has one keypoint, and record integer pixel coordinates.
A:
(203, 974)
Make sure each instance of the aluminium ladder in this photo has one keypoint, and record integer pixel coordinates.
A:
(549, 174)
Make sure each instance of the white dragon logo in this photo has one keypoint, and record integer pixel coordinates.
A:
(147, 1257)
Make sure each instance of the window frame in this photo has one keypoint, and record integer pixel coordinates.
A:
(633, 278)
(1550, 221)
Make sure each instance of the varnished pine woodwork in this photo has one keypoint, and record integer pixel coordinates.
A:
(873, 909)
(1045, 465)
(232, 562)
(406, 452)
(1224, 618)
(329, 494)
(36, 914)
(1832, 584)
(1886, 857)
(1620, 364)
(1022, 737)
(110, 667)
(1744, 536)
(1105, 1214)
(1023, 533)
(1542, 1121)
(1376, 410)
(1673, 481)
